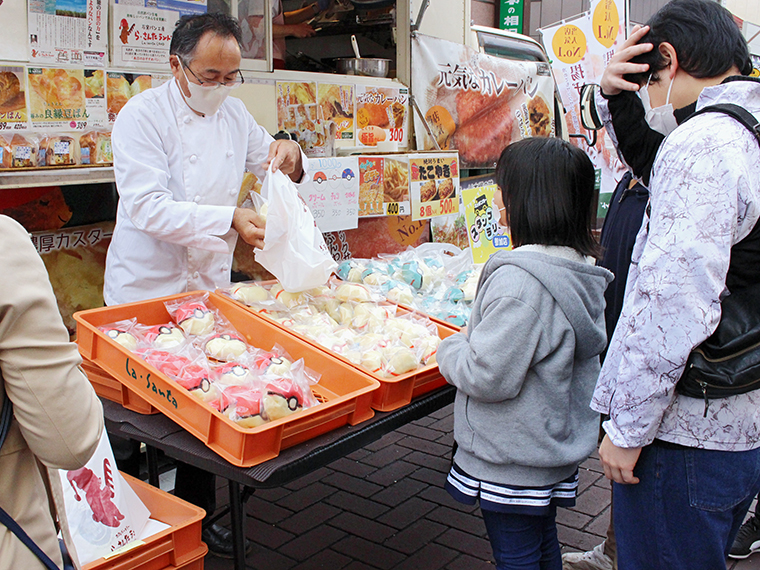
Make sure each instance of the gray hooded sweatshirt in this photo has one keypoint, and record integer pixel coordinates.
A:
(526, 369)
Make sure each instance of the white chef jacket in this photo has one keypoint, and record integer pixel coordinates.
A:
(178, 176)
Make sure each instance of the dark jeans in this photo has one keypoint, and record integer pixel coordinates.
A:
(523, 542)
(191, 484)
(687, 508)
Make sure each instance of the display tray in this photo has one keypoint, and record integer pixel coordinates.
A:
(108, 387)
(179, 546)
(55, 167)
(344, 393)
(393, 392)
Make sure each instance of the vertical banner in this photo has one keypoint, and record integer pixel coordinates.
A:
(580, 50)
(511, 15)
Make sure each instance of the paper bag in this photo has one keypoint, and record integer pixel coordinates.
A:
(294, 249)
(103, 511)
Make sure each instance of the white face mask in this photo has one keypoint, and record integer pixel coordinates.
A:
(205, 99)
(660, 119)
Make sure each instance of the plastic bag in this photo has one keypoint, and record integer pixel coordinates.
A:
(103, 511)
(294, 249)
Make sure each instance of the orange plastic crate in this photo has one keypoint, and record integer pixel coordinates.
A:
(345, 393)
(393, 392)
(108, 387)
(177, 547)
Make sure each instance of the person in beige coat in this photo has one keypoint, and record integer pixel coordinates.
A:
(58, 419)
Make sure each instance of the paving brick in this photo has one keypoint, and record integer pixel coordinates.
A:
(444, 424)
(425, 446)
(299, 500)
(406, 513)
(396, 471)
(576, 539)
(442, 464)
(418, 431)
(426, 421)
(414, 537)
(466, 543)
(325, 560)
(437, 494)
(446, 439)
(464, 562)
(443, 412)
(599, 524)
(363, 527)
(272, 495)
(427, 475)
(358, 505)
(305, 520)
(307, 545)
(357, 565)
(431, 557)
(385, 441)
(472, 524)
(604, 483)
(593, 464)
(386, 456)
(592, 501)
(266, 511)
(266, 558)
(399, 492)
(345, 482)
(308, 479)
(358, 454)
(573, 519)
(586, 478)
(369, 552)
(352, 467)
(266, 534)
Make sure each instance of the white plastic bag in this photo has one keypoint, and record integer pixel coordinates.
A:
(103, 511)
(294, 249)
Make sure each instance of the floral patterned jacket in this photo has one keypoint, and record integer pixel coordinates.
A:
(704, 197)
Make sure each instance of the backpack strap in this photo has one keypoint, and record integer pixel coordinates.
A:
(739, 113)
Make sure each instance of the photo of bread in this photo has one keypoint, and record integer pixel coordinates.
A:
(540, 117)
(118, 92)
(94, 83)
(428, 191)
(446, 189)
(11, 93)
(140, 83)
(55, 89)
(442, 126)
(336, 101)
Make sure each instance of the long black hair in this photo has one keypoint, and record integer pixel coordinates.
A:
(548, 187)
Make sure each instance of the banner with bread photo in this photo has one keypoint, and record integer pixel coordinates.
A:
(476, 103)
(57, 98)
(121, 87)
(12, 98)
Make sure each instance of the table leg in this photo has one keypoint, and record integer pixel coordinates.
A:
(237, 525)
(152, 456)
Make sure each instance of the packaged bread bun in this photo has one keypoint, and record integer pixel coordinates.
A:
(23, 152)
(61, 150)
(95, 148)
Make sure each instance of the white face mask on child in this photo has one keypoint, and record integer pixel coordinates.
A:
(660, 119)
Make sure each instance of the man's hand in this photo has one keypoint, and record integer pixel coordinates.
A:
(301, 30)
(250, 226)
(612, 82)
(285, 155)
(618, 462)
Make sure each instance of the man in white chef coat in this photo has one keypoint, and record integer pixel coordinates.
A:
(180, 151)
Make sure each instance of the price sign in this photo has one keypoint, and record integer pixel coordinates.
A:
(434, 184)
(333, 193)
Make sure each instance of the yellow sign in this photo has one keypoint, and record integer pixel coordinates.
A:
(482, 216)
(605, 22)
(569, 44)
(434, 184)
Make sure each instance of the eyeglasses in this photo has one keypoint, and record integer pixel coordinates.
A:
(234, 83)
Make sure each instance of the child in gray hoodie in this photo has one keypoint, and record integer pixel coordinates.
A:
(526, 368)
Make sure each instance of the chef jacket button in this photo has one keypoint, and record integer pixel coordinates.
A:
(225, 267)
(187, 119)
(197, 199)
(196, 275)
(193, 159)
(232, 190)
(230, 153)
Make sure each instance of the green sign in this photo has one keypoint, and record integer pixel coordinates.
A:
(511, 15)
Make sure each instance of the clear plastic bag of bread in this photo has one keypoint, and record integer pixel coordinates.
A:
(123, 333)
(163, 336)
(95, 148)
(289, 392)
(17, 151)
(58, 150)
(193, 314)
(224, 343)
(188, 368)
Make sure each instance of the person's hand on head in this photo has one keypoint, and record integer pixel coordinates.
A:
(249, 226)
(618, 462)
(285, 155)
(613, 81)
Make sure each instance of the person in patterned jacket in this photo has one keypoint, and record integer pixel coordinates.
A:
(684, 477)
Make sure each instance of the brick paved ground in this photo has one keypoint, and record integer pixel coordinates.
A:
(384, 507)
